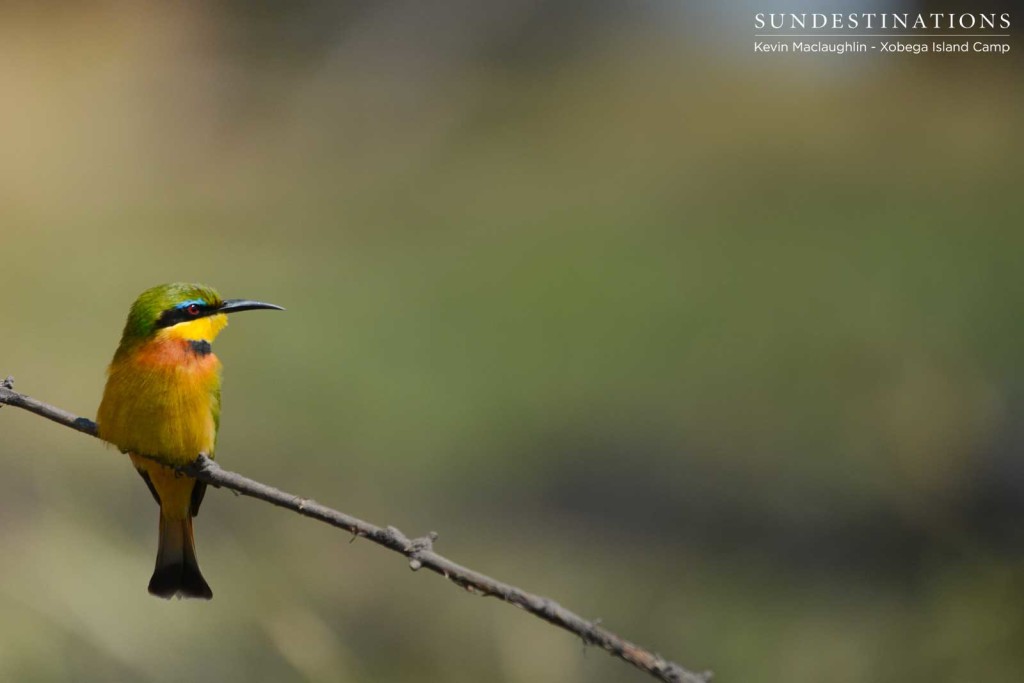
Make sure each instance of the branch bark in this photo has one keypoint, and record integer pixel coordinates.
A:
(419, 551)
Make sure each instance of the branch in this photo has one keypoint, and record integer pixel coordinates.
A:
(419, 551)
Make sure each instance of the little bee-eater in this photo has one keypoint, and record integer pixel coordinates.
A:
(162, 405)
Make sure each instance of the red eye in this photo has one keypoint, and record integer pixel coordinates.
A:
(193, 309)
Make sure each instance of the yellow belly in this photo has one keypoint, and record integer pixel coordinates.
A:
(162, 402)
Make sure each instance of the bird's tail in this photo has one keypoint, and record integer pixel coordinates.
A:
(177, 571)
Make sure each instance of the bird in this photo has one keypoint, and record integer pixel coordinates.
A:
(161, 406)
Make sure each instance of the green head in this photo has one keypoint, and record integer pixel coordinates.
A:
(182, 310)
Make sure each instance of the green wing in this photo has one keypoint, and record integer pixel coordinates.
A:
(199, 490)
(215, 409)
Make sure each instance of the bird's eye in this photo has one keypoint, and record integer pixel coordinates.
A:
(193, 309)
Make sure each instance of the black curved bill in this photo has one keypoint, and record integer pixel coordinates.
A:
(236, 305)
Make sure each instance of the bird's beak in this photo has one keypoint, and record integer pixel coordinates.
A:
(236, 305)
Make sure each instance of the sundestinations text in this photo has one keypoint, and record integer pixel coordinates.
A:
(882, 20)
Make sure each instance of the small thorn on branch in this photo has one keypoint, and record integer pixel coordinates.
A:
(423, 543)
(8, 386)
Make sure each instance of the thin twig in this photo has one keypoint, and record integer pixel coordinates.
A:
(419, 551)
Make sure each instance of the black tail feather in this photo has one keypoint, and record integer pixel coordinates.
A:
(177, 571)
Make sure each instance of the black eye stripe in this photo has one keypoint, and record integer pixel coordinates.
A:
(173, 316)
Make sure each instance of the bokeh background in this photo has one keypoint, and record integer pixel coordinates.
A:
(723, 349)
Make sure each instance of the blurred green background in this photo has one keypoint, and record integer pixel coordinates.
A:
(725, 350)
